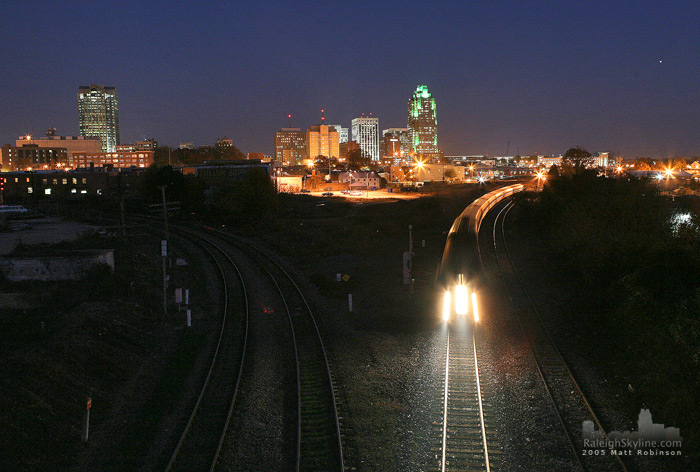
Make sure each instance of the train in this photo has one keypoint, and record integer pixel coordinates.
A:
(460, 268)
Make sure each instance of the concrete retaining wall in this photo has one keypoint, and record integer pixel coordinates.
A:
(70, 265)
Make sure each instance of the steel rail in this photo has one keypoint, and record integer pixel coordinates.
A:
(215, 358)
(241, 242)
(570, 440)
(462, 398)
(548, 335)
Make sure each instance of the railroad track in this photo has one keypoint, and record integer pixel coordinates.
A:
(460, 435)
(319, 443)
(568, 400)
(201, 441)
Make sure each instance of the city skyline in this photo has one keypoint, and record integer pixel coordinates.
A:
(537, 77)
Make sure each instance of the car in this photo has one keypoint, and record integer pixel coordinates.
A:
(305, 190)
(327, 194)
(355, 193)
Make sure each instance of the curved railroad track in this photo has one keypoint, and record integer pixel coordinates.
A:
(319, 442)
(200, 443)
(568, 400)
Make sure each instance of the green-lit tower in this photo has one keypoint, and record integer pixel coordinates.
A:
(422, 123)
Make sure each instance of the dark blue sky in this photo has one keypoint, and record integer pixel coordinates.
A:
(542, 75)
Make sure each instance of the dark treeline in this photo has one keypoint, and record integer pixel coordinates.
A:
(197, 156)
(253, 196)
(629, 260)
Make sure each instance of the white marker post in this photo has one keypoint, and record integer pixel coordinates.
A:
(178, 298)
(189, 318)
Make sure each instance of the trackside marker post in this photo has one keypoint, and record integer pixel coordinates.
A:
(86, 420)
(350, 302)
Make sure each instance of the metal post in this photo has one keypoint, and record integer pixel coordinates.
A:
(121, 215)
(165, 211)
(86, 421)
(164, 254)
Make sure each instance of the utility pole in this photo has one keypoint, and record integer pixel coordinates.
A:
(165, 210)
(164, 255)
(121, 215)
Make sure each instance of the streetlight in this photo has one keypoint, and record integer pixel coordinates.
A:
(541, 177)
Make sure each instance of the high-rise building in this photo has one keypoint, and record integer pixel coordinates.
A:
(365, 132)
(290, 146)
(322, 140)
(404, 139)
(98, 114)
(390, 145)
(422, 123)
(342, 133)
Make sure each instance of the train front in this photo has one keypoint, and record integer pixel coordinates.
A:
(459, 271)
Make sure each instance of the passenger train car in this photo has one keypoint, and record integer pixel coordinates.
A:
(460, 268)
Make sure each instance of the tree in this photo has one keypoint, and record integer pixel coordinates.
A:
(553, 172)
(576, 160)
(357, 159)
(450, 173)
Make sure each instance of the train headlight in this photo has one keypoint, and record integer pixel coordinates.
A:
(446, 306)
(461, 300)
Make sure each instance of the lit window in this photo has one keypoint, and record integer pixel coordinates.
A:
(30, 190)
(83, 191)
(45, 181)
(84, 180)
(73, 190)
(75, 181)
(65, 181)
(47, 191)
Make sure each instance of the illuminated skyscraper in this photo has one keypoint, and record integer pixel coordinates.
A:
(290, 146)
(404, 136)
(322, 140)
(98, 114)
(365, 132)
(422, 123)
(342, 133)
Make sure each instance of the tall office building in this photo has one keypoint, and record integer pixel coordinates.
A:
(390, 145)
(342, 133)
(422, 123)
(322, 140)
(365, 132)
(290, 146)
(98, 114)
(404, 138)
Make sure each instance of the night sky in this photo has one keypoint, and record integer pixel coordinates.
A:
(619, 76)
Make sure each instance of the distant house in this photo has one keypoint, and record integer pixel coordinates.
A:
(694, 169)
(358, 180)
